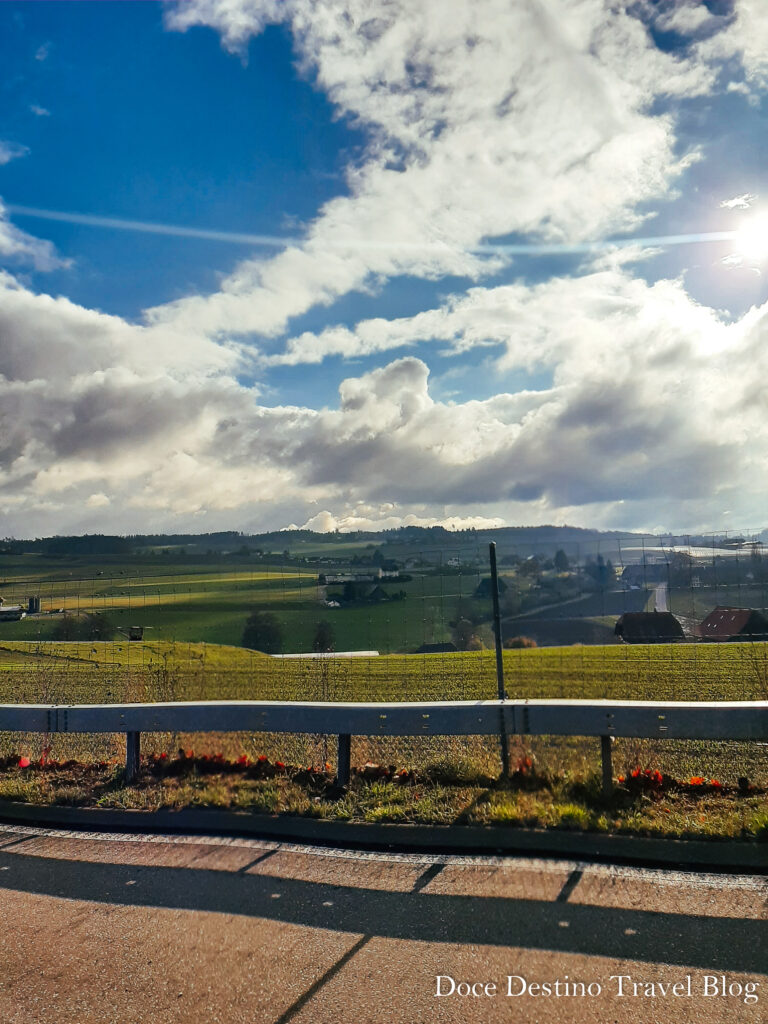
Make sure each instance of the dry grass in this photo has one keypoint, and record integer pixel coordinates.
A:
(450, 795)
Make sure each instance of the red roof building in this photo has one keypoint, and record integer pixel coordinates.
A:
(724, 623)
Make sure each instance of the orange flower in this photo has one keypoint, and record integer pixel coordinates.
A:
(696, 780)
(24, 762)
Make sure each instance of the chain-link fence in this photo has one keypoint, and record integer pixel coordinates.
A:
(674, 618)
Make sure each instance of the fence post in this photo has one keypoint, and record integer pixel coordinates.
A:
(343, 759)
(132, 755)
(605, 756)
(499, 660)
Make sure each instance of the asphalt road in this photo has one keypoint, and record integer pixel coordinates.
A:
(107, 928)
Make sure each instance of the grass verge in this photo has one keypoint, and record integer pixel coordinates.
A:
(443, 795)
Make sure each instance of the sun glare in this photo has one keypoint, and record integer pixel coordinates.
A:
(751, 241)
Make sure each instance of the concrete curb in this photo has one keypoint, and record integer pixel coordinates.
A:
(692, 855)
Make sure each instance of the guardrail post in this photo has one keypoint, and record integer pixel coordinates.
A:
(132, 755)
(605, 756)
(343, 759)
(499, 660)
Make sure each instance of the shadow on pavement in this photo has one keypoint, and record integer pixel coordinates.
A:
(694, 941)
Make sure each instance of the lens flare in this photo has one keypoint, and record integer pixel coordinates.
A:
(751, 241)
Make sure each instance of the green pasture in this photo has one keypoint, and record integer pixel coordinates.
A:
(110, 672)
(698, 602)
(211, 603)
(85, 671)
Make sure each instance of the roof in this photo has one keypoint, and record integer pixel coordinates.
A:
(724, 622)
(648, 627)
(444, 648)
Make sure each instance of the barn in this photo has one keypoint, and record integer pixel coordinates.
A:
(12, 613)
(648, 628)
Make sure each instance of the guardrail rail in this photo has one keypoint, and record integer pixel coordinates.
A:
(686, 720)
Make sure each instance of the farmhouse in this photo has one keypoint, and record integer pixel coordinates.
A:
(11, 613)
(648, 628)
(367, 576)
(724, 623)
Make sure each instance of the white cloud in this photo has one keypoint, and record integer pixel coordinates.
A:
(742, 202)
(97, 500)
(387, 517)
(527, 118)
(39, 111)
(533, 118)
(16, 246)
(11, 151)
(745, 38)
(651, 395)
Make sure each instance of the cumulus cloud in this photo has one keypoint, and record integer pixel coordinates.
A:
(744, 38)
(86, 397)
(528, 118)
(538, 119)
(543, 325)
(387, 517)
(650, 394)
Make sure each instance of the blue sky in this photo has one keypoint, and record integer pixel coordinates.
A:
(371, 361)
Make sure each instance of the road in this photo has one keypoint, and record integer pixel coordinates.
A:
(661, 597)
(121, 929)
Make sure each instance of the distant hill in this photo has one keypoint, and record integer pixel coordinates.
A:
(577, 542)
(543, 537)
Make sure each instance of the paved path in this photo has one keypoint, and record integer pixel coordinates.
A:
(661, 597)
(106, 929)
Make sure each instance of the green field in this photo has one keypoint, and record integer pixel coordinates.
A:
(698, 602)
(68, 673)
(96, 671)
(210, 603)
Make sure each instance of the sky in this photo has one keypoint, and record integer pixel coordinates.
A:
(357, 264)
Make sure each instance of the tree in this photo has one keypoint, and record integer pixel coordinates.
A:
(462, 632)
(601, 571)
(519, 642)
(93, 626)
(69, 627)
(325, 637)
(99, 626)
(263, 632)
(561, 561)
(484, 587)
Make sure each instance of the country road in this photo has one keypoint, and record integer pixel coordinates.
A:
(125, 929)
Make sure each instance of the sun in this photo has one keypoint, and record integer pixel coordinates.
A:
(751, 239)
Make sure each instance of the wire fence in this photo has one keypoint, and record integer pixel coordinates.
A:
(400, 621)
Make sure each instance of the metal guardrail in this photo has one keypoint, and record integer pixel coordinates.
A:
(687, 720)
